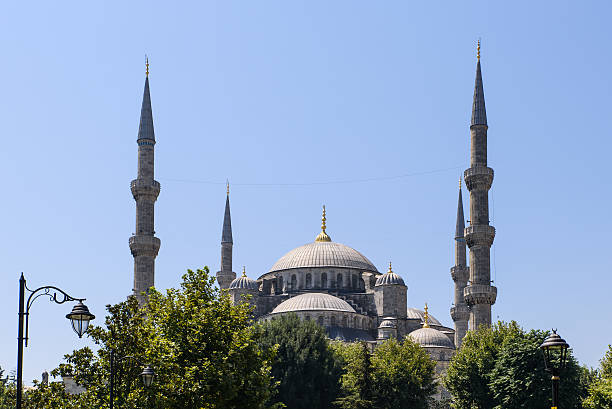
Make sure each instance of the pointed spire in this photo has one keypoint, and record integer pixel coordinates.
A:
(390, 270)
(460, 217)
(479, 112)
(244, 271)
(226, 237)
(145, 130)
(323, 235)
(426, 317)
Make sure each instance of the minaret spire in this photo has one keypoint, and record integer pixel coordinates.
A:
(479, 111)
(460, 312)
(143, 244)
(479, 235)
(225, 275)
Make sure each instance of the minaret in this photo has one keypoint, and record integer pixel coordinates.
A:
(225, 276)
(479, 235)
(460, 312)
(143, 244)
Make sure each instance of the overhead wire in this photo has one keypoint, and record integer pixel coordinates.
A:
(315, 183)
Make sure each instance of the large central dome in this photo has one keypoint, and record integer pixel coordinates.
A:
(323, 254)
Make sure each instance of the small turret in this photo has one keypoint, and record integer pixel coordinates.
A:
(242, 287)
(390, 295)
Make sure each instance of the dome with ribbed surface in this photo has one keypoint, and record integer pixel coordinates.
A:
(323, 254)
(431, 338)
(389, 278)
(313, 302)
(416, 314)
(244, 283)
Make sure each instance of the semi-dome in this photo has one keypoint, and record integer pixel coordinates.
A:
(244, 283)
(323, 254)
(313, 302)
(416, 314)
(431, 338)
(389, 278)
(387, 324)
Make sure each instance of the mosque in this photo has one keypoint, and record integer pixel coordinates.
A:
(334, 284)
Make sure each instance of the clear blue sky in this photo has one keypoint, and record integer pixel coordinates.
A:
(289, 93)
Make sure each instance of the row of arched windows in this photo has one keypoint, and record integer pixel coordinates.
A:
(339, 283)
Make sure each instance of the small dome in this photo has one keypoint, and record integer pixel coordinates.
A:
(431, 338)
(387, 324)
(313, 302)
(389, 278)
(244, 283)
(416, 314)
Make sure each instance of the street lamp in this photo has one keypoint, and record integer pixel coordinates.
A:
(555, 355)
(80, 317)
(147, 375)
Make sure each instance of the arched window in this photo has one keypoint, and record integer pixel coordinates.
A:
(333, 321)
(293, 282)
(344, 321)
(307, 318)
(280, 284)
(354, 283)
(324, 280)
(339, 281)
(320, 320)
(308, 280)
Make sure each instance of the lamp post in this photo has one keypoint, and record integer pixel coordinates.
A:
(147, 375)
(555, 355)
(79, 317)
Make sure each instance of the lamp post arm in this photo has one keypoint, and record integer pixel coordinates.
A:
(55, 294)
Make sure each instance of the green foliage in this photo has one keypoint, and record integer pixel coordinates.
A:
(396, 376)
(306, 367)
(600, 395)
(600, 390)
(520, 380)
(356, 383)
(503, 367)
(468, 375)
(403, 375)
(606, 363)
(205, 353)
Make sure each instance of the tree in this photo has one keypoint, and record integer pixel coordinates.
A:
(306, 367)
(396, 376)
(519, 378)
(468, 375)
(204, 350)
(403, 375)
(600, 391)
(357, 387)
(503, 367)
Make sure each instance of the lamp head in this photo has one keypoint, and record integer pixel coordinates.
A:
(80, 317)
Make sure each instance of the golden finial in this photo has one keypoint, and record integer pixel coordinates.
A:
(426, 317)
(243, 271)
(323, 235)
(147, 64)
(459, 182)
(227, 184)
(390, 271)
(478, 50)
